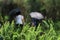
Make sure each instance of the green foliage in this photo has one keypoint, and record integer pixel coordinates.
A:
(8, 32)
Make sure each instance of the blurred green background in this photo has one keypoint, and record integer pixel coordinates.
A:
(49, 8)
